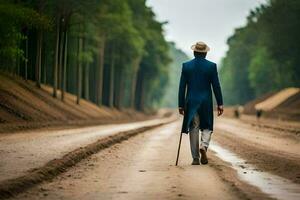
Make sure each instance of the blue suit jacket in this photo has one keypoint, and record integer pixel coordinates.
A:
(198, 77)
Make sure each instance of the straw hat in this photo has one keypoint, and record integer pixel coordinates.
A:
(200, 47)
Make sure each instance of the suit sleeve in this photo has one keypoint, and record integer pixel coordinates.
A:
(216, 86)
(182, 89)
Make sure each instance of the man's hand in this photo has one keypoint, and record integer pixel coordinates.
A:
(181, 111)
(220, 110)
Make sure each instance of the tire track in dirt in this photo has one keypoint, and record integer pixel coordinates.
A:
(9, 188)
(139, 168)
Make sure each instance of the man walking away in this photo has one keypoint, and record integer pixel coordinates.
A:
(198, 77)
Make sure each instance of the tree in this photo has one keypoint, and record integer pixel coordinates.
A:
(259, 62)
(15, 22)
(100, 50)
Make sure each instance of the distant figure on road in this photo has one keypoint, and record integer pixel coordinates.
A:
(236, 112)
(195, 100)
(258, 114)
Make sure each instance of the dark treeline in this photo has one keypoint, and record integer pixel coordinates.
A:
(110, 52)
(263, 56)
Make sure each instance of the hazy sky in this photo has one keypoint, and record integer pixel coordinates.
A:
(211, 21)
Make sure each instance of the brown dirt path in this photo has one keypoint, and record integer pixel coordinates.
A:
(274, 151)
(21, 152)
(140, 168)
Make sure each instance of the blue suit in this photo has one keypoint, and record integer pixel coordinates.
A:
(198, 76)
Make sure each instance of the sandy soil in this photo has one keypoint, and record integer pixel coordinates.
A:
(24, 106)
(21, 152)
(283, 126)
(273, 151)
(143, 167)
(140, 168)
(287, 110)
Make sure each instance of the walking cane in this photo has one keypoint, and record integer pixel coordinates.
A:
(178, 149)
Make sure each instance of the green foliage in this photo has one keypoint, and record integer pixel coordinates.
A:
(263, 56)
(261, 74)
(119, 34)
(13, 19)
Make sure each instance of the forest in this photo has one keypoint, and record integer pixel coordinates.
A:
(263, 56)
(171, 93)
(110, 52)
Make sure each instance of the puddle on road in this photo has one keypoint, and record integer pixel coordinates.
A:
(275, 186)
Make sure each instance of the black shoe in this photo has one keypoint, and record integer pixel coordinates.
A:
(196, 161)
(204, 160)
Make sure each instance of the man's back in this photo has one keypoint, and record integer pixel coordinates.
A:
(199, 75)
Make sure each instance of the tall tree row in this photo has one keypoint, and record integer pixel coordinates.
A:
(110, 52)
(263, 56)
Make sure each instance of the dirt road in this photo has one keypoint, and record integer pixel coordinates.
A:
(270, 150)
(22, 152)
(245, 163)
(141, 168)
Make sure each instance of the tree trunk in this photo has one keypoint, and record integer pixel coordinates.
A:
(64, 66)
(86, 81)
(38, 59)
(44, 64)
(136, 64)
(100, 72)
(79, 70)
(139, 98)
(40, 56)
(45, 74)
(55, 69)
(60, 55)
(142, 101)
(18, 63)
(26, 58)
(117, 89)
(111, 81)
(120, 92)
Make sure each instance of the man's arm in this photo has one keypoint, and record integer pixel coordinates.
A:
(181, 93)
(217, 90)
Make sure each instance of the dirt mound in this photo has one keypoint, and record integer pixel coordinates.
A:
(287, 109)
(277, 99)
(22, 105)
(249, 108)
